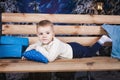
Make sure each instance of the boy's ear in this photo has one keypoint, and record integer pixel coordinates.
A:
(53, 34)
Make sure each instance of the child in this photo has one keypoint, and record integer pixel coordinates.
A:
(52, 48)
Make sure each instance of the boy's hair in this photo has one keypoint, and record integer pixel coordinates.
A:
(44, 23)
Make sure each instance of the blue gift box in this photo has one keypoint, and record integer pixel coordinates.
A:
(10, 51)
(14, 40)
(12, 47)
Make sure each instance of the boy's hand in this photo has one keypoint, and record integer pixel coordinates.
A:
(23, 58)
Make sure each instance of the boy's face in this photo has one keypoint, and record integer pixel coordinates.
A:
(45, 34)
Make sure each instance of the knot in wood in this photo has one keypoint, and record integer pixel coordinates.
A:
(90, 63)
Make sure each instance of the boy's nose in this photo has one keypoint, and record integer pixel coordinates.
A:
(44, 35)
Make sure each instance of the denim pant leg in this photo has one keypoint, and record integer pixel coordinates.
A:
(91, 50)
(80, 51)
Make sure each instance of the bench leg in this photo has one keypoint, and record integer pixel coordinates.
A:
(89, 76)
(53, 76)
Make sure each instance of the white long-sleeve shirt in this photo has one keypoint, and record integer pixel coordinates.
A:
(55, 49)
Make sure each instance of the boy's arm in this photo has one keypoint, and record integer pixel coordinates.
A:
(52, 54)
(31, 47)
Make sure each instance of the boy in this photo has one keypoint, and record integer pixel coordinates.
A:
(52, 48)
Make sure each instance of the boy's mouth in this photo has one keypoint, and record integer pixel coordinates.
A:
(44, 39)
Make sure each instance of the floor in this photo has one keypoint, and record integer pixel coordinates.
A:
(103, 75)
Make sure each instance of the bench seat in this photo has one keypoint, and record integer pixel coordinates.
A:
(60, 65)
(81, 28)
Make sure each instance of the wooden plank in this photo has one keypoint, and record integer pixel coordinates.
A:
(61, 18)
(83, 64)
(18, 29)
(86, 41)
(59, 29)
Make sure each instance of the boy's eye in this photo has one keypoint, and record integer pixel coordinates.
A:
(48, 32)
(40, 33)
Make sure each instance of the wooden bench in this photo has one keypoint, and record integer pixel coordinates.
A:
(73, 28)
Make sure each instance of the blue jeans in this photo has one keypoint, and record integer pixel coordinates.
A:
(80, 51)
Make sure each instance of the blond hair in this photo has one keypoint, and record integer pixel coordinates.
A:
(44, 23)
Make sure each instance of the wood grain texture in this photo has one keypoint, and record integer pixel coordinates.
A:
(59, 29)
(86, 41)
(61, 65)
(61, 18)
